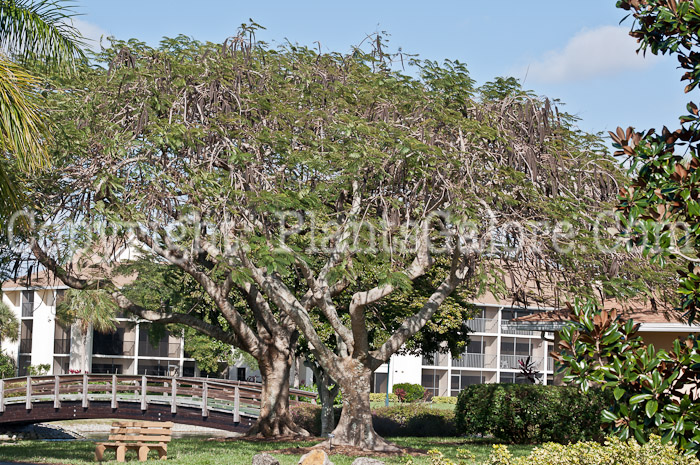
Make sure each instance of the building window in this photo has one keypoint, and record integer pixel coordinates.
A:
(111, 343)
(24, 362)
(61, 339)
(61, 365)
(158, 368)
(107, 366)
(435, 359)
(473, 356)
(167, 347)
(514, 378)
(461, 380)
(240, 373)
(434, 381)
(27, 304)
(25, 340)
(513, 350)
(380, 382)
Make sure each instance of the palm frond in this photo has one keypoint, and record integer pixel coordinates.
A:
(9, 325)
(40, 29)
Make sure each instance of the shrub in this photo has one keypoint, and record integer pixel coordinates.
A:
(444, 400)
(381, 397)
(7, 366)
(413, 420)
(615, 451)
(416, 420)
(412, 392)
(526, 414)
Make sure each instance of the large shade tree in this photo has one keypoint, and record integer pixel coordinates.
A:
(316, 188)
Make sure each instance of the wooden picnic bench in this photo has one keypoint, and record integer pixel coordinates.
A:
(142, 436)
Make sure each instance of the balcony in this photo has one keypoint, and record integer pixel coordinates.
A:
(550, 364)
(474, 361)
(512, 362)
(163, 350)
(27, 309)
(506, 330)
(483, 325)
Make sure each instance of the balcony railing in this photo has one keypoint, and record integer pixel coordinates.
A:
(119, 348)
(550, 364)
(512, 362)
(164, 350)
(506, 330)
(482, 325)
(438, 359)
(474, 361)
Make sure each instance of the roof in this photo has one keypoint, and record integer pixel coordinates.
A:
(646, 313)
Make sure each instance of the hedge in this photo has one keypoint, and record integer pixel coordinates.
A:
(444, 400)
(416, 420)
(527, 414)
(381, 397)
(615, 451)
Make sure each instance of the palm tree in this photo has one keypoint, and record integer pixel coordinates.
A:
(9, 325)
(85, 310)
(30, 31)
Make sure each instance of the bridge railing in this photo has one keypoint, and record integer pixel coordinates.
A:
(235, 397)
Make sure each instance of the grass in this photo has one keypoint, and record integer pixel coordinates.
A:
(203, 452)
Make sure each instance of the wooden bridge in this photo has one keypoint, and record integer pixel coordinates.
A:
(216, 403)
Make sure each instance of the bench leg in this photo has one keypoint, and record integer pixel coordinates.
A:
(143, 453)
(121, 454)
(99, 453)
(163, 453)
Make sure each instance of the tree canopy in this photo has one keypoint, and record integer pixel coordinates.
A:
(326, 191)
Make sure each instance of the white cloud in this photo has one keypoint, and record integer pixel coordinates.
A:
(604, 51)
(91, 32)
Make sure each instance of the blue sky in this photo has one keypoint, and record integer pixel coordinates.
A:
(574, 51)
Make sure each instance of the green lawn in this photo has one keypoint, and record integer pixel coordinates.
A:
(203, 452)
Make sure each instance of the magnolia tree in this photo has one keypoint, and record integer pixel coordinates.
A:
(314, 188)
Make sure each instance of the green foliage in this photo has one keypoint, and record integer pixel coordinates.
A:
(9, 325)
(613, 452)
(417, 420)
(8, 369)
(95, 307)
(444, 400)
(649, 385)
(527, 414)
(38, 370)
(381, 397)
(659, 208)
(501, 88)
(409, 392)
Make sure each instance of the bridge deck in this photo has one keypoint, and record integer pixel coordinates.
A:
(223, 404)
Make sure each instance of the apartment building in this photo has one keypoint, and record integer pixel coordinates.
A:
(43, 341)
(492, 356)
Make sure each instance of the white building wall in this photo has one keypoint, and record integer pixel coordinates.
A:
(44, 317)
(405, 369)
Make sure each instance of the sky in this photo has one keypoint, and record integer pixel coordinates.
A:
(576, 52)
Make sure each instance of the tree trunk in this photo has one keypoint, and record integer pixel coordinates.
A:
(327, 397)
(355, 426)
(275, 419)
